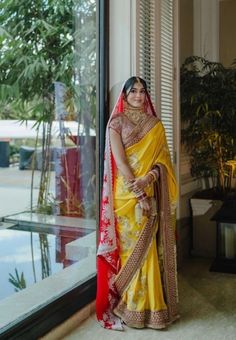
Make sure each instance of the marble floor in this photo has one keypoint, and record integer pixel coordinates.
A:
(207, 307)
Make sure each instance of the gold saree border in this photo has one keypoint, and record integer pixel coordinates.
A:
(167, 241)
(140, 131)
(150, 319)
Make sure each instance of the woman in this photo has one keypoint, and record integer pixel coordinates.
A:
(137, 283)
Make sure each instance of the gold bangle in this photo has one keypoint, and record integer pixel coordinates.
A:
(153, 176)
(156, 173)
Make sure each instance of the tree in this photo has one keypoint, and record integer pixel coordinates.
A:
(36, 50)
(42, 42)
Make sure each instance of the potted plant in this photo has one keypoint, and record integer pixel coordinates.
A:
(208, 113)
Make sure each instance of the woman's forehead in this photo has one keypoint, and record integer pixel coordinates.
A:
(138, 86)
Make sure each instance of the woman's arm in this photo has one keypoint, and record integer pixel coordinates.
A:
(123, 165)
(119, 155)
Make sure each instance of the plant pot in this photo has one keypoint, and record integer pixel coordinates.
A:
(203, 229)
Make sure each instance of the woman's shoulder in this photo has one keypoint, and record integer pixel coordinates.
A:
(116, 116)
(115, 122)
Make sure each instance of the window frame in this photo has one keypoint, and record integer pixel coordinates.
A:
(44, 319)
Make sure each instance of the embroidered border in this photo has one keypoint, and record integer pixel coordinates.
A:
(140, 131)
(152, 319)
(167, 241)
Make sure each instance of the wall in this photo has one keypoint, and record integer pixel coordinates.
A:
(206, 29)
(122, 36)
(227, 31)
(187, 185)
(186, 29)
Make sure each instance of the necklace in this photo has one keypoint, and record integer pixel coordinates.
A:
(134, 115)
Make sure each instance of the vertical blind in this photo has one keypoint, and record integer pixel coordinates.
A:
(156, 57)
(166, 69)
(147, 44)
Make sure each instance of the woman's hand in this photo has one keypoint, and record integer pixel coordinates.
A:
(140, 183)
(145, 205)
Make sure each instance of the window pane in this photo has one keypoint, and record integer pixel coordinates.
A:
(47, 165)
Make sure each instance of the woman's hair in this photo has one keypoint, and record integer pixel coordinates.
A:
(130, 83)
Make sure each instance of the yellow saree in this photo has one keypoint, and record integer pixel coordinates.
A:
(146, 282)
(136, 259)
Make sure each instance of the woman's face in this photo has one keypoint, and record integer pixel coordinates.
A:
(136, 96)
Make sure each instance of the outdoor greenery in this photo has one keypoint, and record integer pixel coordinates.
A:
(208, 113)
(18, 281)
(43, 42)
(36, 50)
(37, 42)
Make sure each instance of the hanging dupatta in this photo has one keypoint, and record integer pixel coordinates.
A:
(108, 253)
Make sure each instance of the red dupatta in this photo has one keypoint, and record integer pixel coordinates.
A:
(108, 261)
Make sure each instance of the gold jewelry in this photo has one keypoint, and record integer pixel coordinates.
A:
(134, 115)
(151, 173)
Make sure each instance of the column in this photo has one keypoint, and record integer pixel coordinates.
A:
(206, 29)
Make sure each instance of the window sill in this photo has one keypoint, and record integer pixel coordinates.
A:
(36, 310)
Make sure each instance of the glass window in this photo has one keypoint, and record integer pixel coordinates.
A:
(48, 99)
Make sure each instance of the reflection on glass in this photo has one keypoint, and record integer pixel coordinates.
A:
(56, 170)
(18, 281)
(61, 49)
(85, 84)
(53, 249)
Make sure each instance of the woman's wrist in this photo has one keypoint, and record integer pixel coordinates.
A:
(139, 193)
(155, 172)
(129, 183)
(142, 197)
(152, 176)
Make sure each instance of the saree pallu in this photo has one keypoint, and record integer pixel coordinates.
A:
(137, 280)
